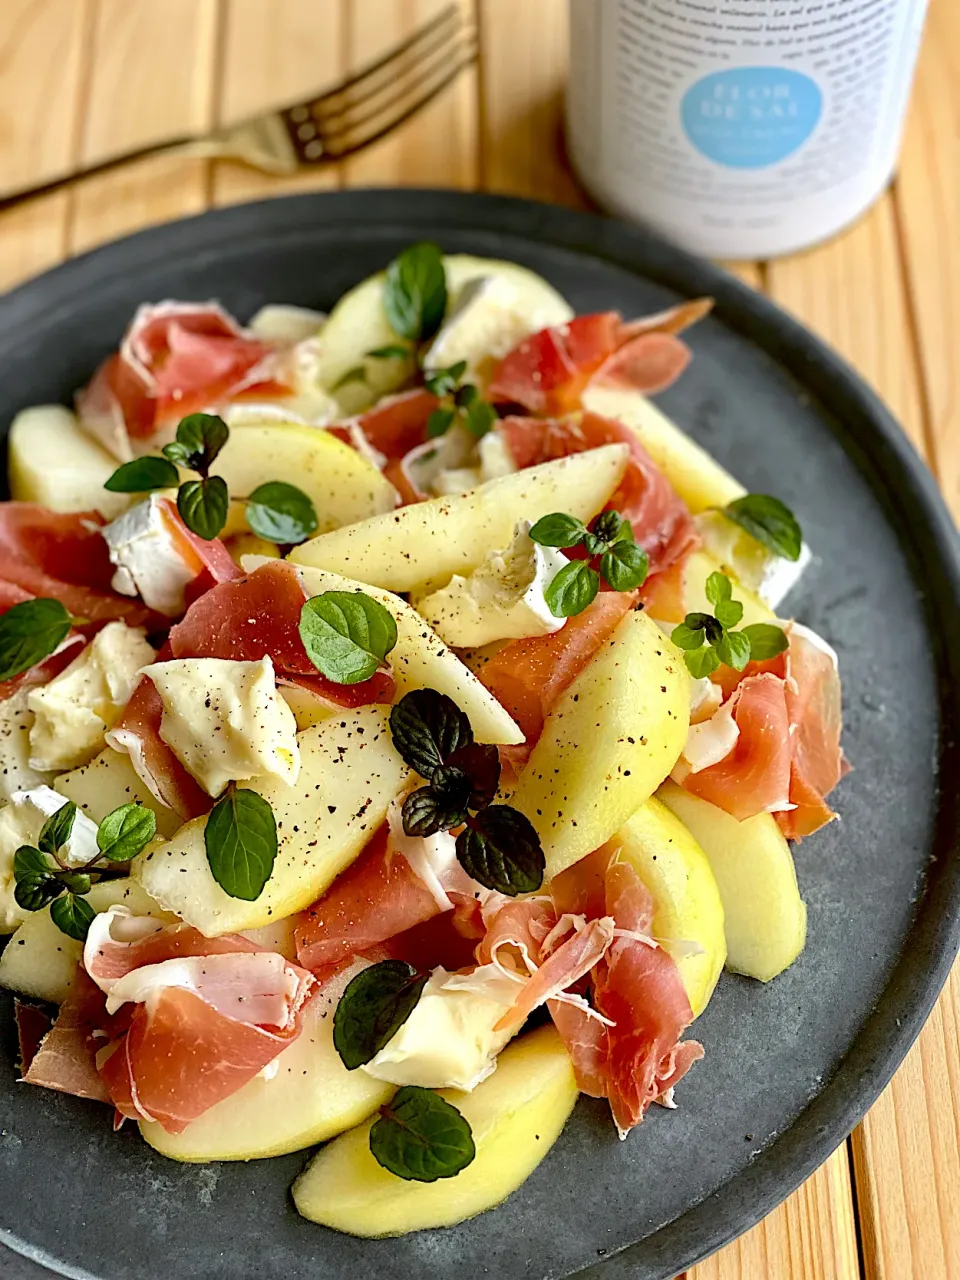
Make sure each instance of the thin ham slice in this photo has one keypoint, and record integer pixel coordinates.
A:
(637, 1056)
(175, 358)
(189, 1032)
(548, 371)
(63, 557)
(258, 615)
(211, 559)
(661, 523)
(137, 734)
(560, 970)
(754, 777)
(812, 693)
(378, 897)
(528, 676)
(64, 1060)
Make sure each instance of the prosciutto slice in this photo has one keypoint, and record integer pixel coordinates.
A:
(187, 1020)
(548, 371)
(635, 1056)
(62, 557)
(176, 358)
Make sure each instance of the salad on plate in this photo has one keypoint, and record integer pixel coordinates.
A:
(399, 734)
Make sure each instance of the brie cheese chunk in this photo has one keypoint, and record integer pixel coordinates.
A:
(73, 711)
(21, 822)
(152, 560)
(226, 721)
(449, 1040)
(489, 318)
(494, 461)
(16, 771)
(501, 600)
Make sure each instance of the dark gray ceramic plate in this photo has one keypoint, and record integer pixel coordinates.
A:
(790, 1067)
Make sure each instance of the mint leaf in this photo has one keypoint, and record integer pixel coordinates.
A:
(281, 513)
(439, 421)
(393, 351)
(73, 916)
(687, 637)
(57, 829)
(624, 566)
(441, 382)
(501, 850)
(480, 417)
(125, 832)
(421, 1137)
(728, 612)
(373, 1008)
(30, 632)
(203, 506)
(701, 662)
(558, 530)
(35, 879)
(733, 649)
(609, 526)
(357, 374)
(572, 589)
(347, 635)
(428, 728)
(481, 763)
(241, 843)
(200, 436)
(769, 521)
(415, 292)
(142, 475)
(718, 588)
(766, 640)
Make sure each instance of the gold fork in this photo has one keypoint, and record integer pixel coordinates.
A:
(338, 123)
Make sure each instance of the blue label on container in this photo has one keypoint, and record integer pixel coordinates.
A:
(751, 117)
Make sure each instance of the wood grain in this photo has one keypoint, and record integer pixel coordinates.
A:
(905, 1153)
(173, 45)
(271, 55)
(928, 202)
(43, 66)
(438, 147)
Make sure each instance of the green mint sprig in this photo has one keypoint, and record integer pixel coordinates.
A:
(709, 641)
(498, 846)
(614, 556)
(43, 878)
(275, 510)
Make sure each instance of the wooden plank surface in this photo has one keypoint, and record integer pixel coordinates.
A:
(886, 294)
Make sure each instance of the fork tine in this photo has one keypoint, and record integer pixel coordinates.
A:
(323, 109)
(398, 92)
(410, 46)
(358, 143)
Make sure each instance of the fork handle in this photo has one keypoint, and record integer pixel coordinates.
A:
(262, 143)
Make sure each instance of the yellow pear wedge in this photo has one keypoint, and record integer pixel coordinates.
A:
(349, 773)
(614, 734)
(765, 919)
(420, 547)
(688, 920)
(515, 1115)
(310, 1098)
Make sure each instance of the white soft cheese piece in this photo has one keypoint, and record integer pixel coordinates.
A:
(501, 600)
(16, 771)
(226, 721)
(487, 322)
(494, 461)
(20, 823)
(73, 711)
(149, 561)
(449, 1041)
(767, 575)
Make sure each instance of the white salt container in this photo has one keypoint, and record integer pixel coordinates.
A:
(740, 128)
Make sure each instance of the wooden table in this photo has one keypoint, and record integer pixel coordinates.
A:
(81, 78)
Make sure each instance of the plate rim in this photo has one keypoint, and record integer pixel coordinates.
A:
(866, 430)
